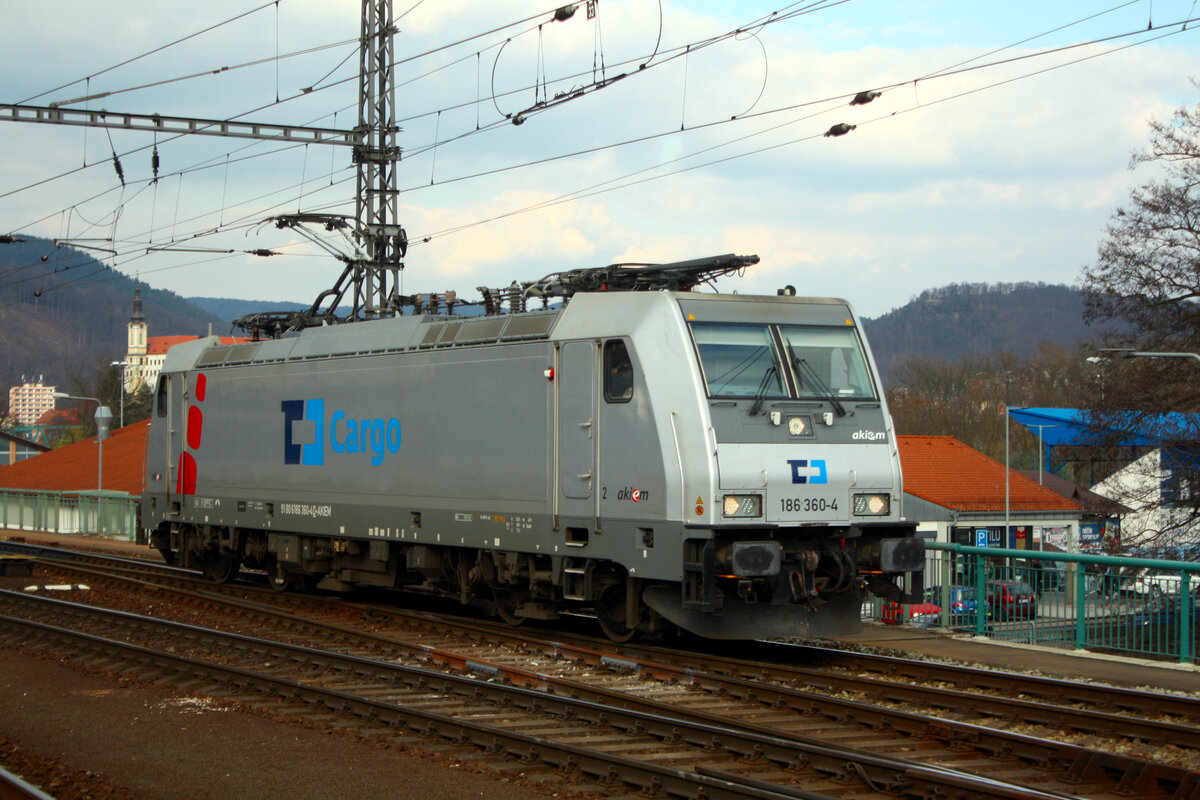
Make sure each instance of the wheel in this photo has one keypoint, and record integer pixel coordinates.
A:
(277, 578)
(168, 556)
(611, 613)
(507, 600)
(221, 567)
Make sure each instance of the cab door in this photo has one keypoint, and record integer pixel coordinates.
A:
(575, 437)
(181, 467)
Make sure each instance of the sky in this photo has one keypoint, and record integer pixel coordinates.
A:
(997, 150)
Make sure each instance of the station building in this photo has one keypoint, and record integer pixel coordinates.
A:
(959, 495)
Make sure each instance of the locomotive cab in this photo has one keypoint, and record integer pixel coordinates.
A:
(773, 447)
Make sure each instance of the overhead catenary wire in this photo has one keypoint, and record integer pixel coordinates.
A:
(435, 143)
(417, 151)
(158, 49)
(592, 191)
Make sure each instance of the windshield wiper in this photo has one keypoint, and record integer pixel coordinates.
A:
(761, 394)
(808, 372)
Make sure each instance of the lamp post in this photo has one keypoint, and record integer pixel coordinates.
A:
(1129, 352)
(122, 365)
(103, 419)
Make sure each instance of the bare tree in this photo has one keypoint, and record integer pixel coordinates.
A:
(1147, 274)
(1147, 271)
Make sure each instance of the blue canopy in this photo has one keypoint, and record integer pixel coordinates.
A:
(1074, 426)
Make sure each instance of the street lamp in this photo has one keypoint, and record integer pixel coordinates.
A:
(103, 419)
(1129, 352)
(122, 365)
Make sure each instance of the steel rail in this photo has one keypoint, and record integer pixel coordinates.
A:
(1076, 763)
(13, 787)
(1079, 720)
(841, 764)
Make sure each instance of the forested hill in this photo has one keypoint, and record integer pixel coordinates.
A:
(976, 319)
(63, 314)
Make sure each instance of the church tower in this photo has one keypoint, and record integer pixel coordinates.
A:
(137, 325)
(135, 356)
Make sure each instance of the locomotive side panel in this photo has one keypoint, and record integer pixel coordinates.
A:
(345, 445)
(427, 427)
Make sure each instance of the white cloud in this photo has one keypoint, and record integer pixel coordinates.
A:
(1012, 182)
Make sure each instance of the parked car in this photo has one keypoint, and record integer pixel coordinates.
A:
(920, 615)
(962, 603)
(1048, 576)
(1011, 599)
(1155, 584)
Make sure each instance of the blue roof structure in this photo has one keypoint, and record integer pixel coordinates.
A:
(1083, 427)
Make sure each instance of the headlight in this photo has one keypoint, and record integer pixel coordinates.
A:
(742, 505)
(872, 505)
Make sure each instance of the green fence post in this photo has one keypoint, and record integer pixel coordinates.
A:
(981, 603)
(1080, 607)
(947, 578)
(1185, 617)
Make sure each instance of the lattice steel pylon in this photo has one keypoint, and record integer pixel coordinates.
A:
(376, 240)
(376, 275)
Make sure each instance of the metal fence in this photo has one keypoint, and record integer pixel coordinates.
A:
(1129, 606)
(110, 514)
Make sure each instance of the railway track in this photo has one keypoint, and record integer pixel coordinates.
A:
(1007, 762)
(1089, 712)
(654, 752)
(13, 788)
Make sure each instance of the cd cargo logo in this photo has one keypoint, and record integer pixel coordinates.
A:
(307, 437)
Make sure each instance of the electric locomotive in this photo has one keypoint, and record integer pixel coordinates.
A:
(661, 457)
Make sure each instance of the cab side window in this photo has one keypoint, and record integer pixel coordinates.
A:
(161, 399)
(618, 372)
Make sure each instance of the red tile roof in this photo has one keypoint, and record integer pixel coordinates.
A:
(943, 470)
(158, 345)
(73, 468)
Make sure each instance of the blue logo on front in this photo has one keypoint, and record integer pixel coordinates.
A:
(305, 420)
(809, 476)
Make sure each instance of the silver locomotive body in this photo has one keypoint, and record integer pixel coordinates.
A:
(720, 463)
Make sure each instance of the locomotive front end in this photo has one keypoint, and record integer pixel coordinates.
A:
(807, 509)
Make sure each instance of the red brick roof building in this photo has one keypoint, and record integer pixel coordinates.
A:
(958, 492)
(144, 354)
(73, 468)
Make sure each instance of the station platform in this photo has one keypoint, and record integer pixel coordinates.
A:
(899, 640)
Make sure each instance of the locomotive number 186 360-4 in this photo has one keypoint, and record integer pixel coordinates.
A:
(800, 505)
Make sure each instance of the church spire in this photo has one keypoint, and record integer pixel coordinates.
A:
(137, 304)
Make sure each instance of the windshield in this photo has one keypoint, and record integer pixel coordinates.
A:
(744, 360)
(739, 360)
(829, 363)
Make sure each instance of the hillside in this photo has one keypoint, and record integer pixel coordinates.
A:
(63, 313)
(972, 319)
(229, 308)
